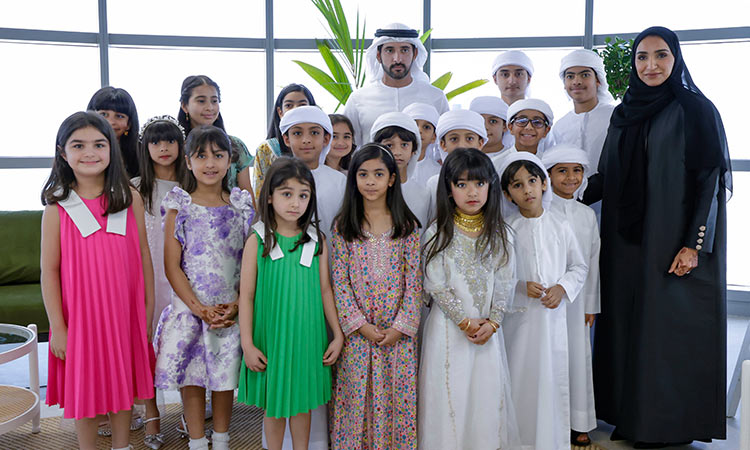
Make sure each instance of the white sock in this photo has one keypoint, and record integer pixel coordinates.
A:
(220, 441)
(198, 444)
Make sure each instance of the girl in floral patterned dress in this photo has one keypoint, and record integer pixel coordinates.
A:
(377, 284)
(205, 228)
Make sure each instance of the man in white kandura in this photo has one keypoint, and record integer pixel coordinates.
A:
(394, 79)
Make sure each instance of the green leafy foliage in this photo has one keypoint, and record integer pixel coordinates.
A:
(616, 55)
(344, 56)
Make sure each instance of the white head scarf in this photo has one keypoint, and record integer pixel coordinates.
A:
(491, 105)
(588, 58)
(510, 207)
(513, 58)
(308, 114)
(399, 119)
(531, 103)
(422, 111)
(461, 119)
(568, 154)
(374, 70)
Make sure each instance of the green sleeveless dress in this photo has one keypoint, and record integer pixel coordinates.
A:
(289, 328)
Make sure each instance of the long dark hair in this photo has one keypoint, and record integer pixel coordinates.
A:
(116, 192)
(117, 99)
(340, 118)
(282, 169)
(199, 140)
(273, 127)
(474, 165)
(161, 130)
(351, 216)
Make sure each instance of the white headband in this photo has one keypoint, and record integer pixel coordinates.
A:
(513, 58)
(588, 58)
(308, 114)
(401, 120)
(568, 154)
(461, 119)
(422, 111)
(374, 70)
(531, 103)
(491, 105)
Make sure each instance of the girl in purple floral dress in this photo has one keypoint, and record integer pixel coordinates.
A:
(205, 229)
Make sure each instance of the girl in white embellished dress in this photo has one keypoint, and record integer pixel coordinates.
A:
(205, 228)
(464, 385)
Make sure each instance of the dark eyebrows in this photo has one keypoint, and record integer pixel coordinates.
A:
(81, 141)
(577, 73)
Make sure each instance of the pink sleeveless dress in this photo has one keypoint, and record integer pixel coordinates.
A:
(101, 281)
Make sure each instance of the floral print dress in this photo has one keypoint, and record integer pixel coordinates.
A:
(376, 281)
(212, 240)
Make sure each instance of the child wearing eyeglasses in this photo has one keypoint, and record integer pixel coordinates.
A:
(529, 122)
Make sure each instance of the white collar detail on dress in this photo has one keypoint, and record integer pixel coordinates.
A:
(85, 221)
(308, 249)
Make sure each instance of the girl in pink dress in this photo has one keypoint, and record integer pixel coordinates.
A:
(378, 286)
(97, 282)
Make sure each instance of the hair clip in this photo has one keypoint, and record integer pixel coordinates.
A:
(163, 118)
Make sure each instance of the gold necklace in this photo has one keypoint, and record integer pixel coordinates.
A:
(467, 223)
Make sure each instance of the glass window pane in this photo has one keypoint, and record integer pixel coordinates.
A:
(226, 18)
(738, 245)
(637, 15)
(68, 15)
(50, 83)
(26, 187)
(468, 66)
(286, 72)
(480, 18)
(153, 77)
(307, 21)
(724, 86)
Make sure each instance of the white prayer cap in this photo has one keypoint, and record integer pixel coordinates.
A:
(508, 206)
(531, 103)
(399, 119)
(461, 119)
(568, 154)
(308, 114)
(374, 71)
(422, 111)
(588, 58)
(489, 104)
(513, 58)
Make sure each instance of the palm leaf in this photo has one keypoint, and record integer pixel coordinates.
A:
(333, 63)
(443, 81)
(426, 35)
(324, 80)
(466, 87)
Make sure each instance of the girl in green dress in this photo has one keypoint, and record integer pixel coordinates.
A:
(285, 301)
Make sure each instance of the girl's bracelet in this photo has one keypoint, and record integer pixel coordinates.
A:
(493, 324)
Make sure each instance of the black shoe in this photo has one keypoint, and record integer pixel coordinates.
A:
(574, 435)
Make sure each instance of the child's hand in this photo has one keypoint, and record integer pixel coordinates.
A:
(483, 335)
(204, 313)
(590, 318)
(553, 296)
(224, 315)
(255, 360)
(391, 336)
(534, 289)
(333, 351)
(58, 343)
(371, 332)
(471, 326)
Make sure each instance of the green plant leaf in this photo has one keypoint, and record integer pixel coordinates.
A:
(426, 35)
(324, 80)
(442, 81)
(338, 72)
(466, 87)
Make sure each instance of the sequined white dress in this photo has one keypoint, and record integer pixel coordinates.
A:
(464, 389)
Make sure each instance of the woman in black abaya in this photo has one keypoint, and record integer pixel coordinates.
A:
(664, 176)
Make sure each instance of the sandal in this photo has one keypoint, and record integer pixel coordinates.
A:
(182, 429)
(576, 441)
(136, 423)
(153, 441)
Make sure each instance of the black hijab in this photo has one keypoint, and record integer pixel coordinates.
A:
(705, 140)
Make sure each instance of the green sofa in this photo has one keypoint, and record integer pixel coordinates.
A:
(20, 292)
